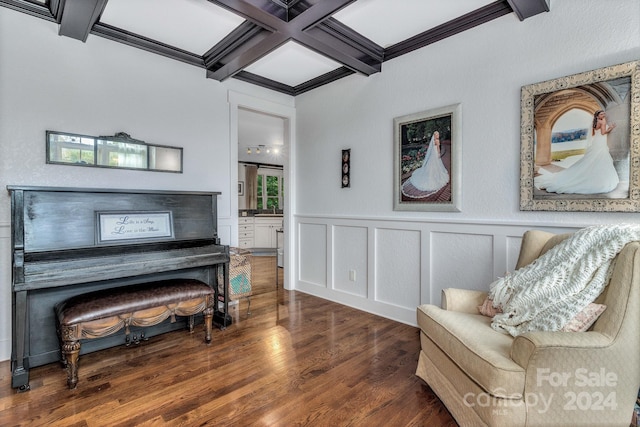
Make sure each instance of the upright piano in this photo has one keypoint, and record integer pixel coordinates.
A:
(68, 241)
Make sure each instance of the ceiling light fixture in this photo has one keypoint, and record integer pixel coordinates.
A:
(264, 149)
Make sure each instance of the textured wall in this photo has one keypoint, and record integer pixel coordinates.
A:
(483, 69)
(100, 87)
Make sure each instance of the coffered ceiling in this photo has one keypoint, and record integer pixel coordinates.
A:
(291, 46)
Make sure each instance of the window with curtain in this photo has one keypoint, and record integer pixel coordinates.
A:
(269, 184)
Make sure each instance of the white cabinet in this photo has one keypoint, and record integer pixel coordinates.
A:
(265, 231)
(245, 232)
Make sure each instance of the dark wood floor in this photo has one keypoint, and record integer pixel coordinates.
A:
(297, 360)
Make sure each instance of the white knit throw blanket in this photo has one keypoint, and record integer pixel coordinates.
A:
(546, 294)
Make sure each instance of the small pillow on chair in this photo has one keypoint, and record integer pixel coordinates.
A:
(583, 320)
(487, 308)
(580, 323)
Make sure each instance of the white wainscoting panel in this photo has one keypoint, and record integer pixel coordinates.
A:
(313, 243)
(224, 233)
(459, 260)
(513, 251)
(397, 267)
(400, 264)
(350, 267)
(5, 291)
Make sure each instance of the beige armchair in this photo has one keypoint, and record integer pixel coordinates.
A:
(487, 378)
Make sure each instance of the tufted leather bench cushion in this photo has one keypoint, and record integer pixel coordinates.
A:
(128, 299)
(101, 313)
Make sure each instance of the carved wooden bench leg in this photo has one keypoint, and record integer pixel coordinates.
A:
(70, 354)
(208, 324)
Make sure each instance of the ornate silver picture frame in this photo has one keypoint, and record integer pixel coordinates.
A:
(580, 142)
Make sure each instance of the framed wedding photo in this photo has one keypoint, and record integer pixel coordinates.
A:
(427, 158)
(580, 142)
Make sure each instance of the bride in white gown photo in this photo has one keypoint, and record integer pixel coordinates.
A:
(431, 176)
(594, 173)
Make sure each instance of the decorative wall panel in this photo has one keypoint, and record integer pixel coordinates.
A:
(313, 243)
(460, 260)
(5, 291)
(398, 261)
(350, 273)
(400, 265)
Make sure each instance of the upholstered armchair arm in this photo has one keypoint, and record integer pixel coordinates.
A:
(574, 378)
(462, 300)
(547, 349)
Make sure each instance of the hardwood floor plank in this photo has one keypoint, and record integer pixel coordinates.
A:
(296, 360)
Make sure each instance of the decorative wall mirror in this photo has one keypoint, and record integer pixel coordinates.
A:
(117, 151)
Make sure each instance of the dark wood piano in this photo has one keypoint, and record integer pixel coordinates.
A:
(68, 241)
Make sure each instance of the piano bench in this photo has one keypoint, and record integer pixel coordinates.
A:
(102, 313)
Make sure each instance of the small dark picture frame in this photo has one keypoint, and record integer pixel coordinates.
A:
(346, 168)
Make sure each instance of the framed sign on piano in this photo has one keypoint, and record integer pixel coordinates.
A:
(133, 226)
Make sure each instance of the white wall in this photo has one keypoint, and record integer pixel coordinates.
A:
(404, 258)
(100, 87)
(400, 258)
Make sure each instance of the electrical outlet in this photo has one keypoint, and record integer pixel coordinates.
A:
(352, 275)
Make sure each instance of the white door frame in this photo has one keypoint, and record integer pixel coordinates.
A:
(288, 113)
